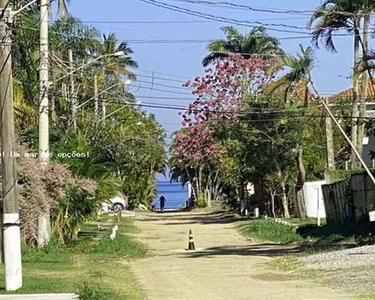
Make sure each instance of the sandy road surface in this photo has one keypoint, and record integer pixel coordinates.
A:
(225, 265)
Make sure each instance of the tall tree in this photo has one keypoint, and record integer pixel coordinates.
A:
(62, 6)
(300, 67)
(116, 67)
(257, 41)
(333, 16)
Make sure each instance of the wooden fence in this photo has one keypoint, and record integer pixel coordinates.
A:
(337, 201)
(349, 200)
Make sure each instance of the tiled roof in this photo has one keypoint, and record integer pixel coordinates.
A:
(349, 92)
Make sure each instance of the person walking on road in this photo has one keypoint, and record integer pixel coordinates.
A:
(162, 202)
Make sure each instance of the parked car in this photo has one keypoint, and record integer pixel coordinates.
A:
(118, 203)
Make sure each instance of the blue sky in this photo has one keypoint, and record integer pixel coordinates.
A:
(177, 62)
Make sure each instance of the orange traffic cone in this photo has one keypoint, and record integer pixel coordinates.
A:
(191, 241)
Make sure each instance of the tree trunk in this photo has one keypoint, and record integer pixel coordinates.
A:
(354, 128)
(301, 178)
(284, 200)
(273, 204)
(209, 204)
(364, 87)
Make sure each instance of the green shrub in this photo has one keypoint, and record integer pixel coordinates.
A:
(53, 251)
(89, 292)
(121, 246)
(270, 231)
(72, 211)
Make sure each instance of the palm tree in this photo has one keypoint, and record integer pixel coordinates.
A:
(114, 68)
(62, 6)
(298, 78)
(300, 67)
(257, 41)
(328, 19)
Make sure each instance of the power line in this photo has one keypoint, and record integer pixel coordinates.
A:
(218, 18)
(165, 98)
(147, 22)
(162, 85)
(246, 7)
(178, 22)
(165, 91)
(264, 9)
(234, 21)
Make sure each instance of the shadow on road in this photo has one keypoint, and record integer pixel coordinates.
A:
(191, 218)
(267, 250)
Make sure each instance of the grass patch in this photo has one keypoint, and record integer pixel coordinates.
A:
(308, 221)
(285, 263)
(122, 246)
(357, 233)
(367, 297)
(94, 267)
(87, 292)
(270, 231)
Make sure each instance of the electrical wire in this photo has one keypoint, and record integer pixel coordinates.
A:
(265, 10)
(213, 17)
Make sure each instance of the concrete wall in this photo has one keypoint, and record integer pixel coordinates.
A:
(363, 194)
(366, 151)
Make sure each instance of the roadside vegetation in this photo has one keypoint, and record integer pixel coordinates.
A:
(269, 231)
(92, 266)
(100, 146)
(307, 234)
(328, 255)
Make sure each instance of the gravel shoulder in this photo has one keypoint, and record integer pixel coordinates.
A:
(351, 270)
(225, 265)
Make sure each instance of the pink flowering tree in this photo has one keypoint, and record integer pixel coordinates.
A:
(220, 94)
(222, 90)
(196, 154)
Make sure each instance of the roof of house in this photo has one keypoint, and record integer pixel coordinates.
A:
(348, 93)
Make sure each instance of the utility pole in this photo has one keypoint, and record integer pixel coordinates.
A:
(96, 98)
(365, 81)
(73, 99)
(44, 226)
(44, 84)
(330, 152)
(11, 225)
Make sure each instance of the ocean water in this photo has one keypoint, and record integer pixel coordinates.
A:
(174, 193)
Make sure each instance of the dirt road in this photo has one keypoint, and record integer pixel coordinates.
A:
(225, 265)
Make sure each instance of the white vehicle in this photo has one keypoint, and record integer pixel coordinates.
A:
(116, 204)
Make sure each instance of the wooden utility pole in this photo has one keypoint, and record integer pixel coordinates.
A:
(44, 226)
(11, 224)
(352, 146)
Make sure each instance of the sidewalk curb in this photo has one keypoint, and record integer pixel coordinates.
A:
(40, 297)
